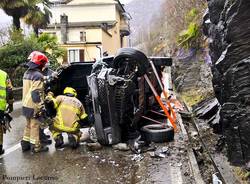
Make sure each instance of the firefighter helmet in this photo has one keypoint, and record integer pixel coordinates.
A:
(38, 58)
(71, 91)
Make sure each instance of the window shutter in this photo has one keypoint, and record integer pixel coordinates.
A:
(65, 57)
(81, 55)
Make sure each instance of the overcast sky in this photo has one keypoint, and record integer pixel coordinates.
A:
(125, 1)
(4, 19)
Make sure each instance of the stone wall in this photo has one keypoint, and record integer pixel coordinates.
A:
(227, 24)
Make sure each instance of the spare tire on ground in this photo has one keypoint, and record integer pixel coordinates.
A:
(135, 57)
(157, 133)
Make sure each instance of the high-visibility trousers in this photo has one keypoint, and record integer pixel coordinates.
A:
(31, 131)
(55, 133)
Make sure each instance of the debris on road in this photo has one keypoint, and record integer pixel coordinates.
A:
(121, 147)
(137, 157)
(94, 146)
(85, 136)
(216, 180)
(194, 134)
(161, 152)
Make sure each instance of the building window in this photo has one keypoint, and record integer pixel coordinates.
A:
(75, 55)
(83, 36)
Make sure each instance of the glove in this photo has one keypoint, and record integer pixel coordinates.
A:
(54, 75)
(10, 108)
(5, 122)
(49, 97)
(40, 112)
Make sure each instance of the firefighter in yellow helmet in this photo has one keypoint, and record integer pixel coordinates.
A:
(70, 113)
(6, 102)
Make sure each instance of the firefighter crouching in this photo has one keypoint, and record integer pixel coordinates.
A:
(70, 114)
(33, 98)
(6, 104)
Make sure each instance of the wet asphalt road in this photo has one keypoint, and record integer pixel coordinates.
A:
(83, 166)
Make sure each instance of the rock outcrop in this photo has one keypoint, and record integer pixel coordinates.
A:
(227, 25)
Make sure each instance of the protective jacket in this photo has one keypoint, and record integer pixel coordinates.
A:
(6, 94)
(33, 92)
(69, 112)
(6, 97)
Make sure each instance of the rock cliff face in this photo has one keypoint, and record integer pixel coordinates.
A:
(227, 24)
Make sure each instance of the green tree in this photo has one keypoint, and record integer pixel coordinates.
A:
(51, 48)
(191, 36)
(19, 8)
(38, 17)
(13, 55)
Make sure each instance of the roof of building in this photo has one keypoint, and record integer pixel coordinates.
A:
(89, 2)
(85, 24)
(80, 2)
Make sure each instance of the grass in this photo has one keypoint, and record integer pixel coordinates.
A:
(195, 96)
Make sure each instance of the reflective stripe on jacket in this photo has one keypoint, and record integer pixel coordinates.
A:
(69, 111)
(33, 92)
(3, 93)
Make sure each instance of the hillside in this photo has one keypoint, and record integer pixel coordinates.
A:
(142, 12)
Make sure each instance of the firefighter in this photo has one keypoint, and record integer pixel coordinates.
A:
(69, 118)
(33, 98)
(6, 102)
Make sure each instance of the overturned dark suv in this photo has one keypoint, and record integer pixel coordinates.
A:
(113, 91)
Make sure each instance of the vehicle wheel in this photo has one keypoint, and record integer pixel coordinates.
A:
(157, 133)
(132, 58)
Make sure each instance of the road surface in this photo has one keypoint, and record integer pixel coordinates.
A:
(84, 166)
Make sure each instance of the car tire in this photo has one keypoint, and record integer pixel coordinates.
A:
(157, 133)
(137, 56)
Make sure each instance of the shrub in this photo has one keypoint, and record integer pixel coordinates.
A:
(13, 55)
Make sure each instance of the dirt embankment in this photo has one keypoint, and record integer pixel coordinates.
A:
(192, 79)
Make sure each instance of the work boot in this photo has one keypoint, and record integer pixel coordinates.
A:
(25, 145)
(46, 141)
(38, 149)
(59, 142)
(1, 150)
(44, 138)
(72, 141)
